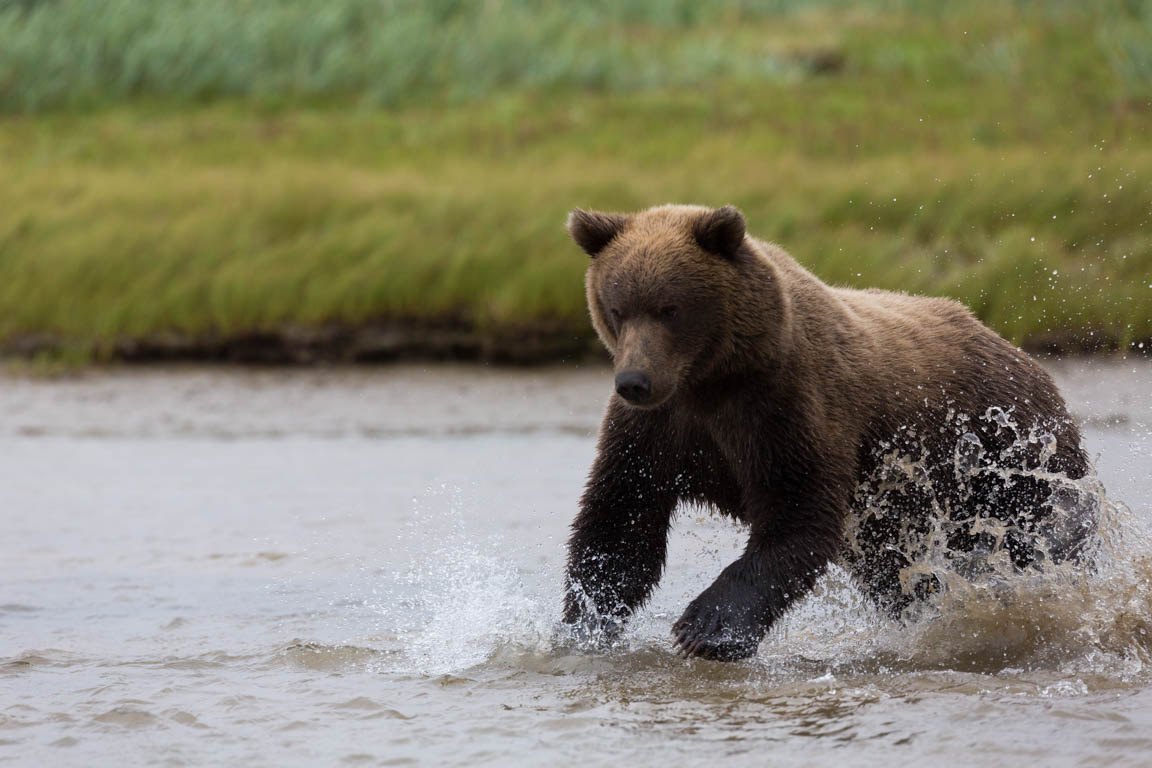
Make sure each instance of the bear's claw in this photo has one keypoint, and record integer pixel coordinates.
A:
(716, 633)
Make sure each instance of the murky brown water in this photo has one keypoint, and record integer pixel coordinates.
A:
(364, 566)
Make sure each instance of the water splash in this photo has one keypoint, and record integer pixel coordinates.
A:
(474, 599)
(1083, 602)
(464, 598)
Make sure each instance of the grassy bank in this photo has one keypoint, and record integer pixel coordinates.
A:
(1001, 155)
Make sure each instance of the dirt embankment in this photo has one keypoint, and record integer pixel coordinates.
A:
(375, 342)
(386, 341)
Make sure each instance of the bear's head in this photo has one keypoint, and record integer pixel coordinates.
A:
(667, 293)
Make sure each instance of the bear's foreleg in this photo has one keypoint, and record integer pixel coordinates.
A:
(619, 539)
(781, 563)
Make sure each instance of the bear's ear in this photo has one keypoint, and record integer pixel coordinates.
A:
(720, 231)
(592, 230)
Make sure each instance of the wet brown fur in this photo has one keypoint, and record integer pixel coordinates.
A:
(773, 396)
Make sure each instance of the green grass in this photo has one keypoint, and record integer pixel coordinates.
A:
(1001, 154)
(381, 52)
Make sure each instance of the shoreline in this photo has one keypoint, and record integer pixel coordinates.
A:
(368, 343)
(401, 341)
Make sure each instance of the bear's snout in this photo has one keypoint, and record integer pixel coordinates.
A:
(634, 386)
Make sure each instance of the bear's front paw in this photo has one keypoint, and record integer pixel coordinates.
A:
(721, 624)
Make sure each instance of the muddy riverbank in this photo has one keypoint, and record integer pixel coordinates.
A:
(445, 340)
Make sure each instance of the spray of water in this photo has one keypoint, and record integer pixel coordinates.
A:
(1083, 602)
(471, 598)
(465, 597)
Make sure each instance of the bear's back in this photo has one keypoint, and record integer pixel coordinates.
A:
(917, 329)
(934, 345)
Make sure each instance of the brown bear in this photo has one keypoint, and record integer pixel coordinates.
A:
(744, 383)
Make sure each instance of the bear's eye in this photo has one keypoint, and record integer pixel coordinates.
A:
(669, 312)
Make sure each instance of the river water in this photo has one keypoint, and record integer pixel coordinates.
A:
(363, 566)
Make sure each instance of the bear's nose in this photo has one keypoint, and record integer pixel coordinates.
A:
(633, 386)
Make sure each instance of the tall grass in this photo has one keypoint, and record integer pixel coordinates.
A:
(229, 237)
(85, 53)
(67, 53)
